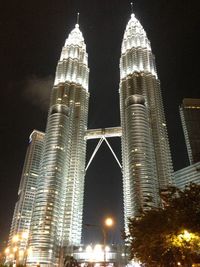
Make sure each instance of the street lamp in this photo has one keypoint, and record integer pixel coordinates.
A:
(108, 222)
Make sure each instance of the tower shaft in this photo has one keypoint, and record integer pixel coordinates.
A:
(146, 156)
(57, 215)
(21, 221)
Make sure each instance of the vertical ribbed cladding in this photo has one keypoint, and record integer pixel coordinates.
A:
(26, 193)
(73, 69)
(187, 140)
(138, 76)
(73, 64)
(57, 217)
(72, 226)
(140, 156)
(49, 206)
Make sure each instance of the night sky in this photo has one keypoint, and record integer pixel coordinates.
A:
(32, 35)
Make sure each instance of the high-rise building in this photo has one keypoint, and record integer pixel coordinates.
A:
(20, 226)
(147, 164)
(190, 118)
(187, 175)
(57, 214)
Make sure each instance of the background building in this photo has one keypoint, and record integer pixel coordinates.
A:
(190, 174)
(190, 118)
(26, 194)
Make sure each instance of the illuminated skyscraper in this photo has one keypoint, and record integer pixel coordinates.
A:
(57, 215)
(146, 155)
(187, 175)
(190, 118)
(27, 189)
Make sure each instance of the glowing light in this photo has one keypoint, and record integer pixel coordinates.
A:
(15, 238)
(138, 164)
(186, 235)
(107, 248)
(21, 253)
(88, 249)
(109, 222)
(134, 264)
(185, 238)
(15, 249)
(96, 253)
(97, 247)
(7, 250)
(29, 251)
(89, 253)
(25, 235)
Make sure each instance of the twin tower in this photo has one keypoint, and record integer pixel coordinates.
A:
(57, 213)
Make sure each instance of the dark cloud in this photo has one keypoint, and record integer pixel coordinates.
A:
(38, 90)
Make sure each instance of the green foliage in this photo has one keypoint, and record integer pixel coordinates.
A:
(166, 236)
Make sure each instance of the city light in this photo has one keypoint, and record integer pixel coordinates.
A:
(15, 238)
(29, 251)
(18, 251)
(21, 253)
(15, 249)
(109, 222)
(25, 235)
(95, 253)
(186, 235)
(7, 251)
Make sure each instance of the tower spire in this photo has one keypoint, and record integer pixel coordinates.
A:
(131, 7)
(77, 19)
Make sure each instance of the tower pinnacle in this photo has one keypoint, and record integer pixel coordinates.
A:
(131, 7)
(77, 20)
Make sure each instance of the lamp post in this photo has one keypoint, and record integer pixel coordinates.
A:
(108, 222)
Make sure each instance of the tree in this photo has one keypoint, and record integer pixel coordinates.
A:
(69, 261)
(168, 236)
